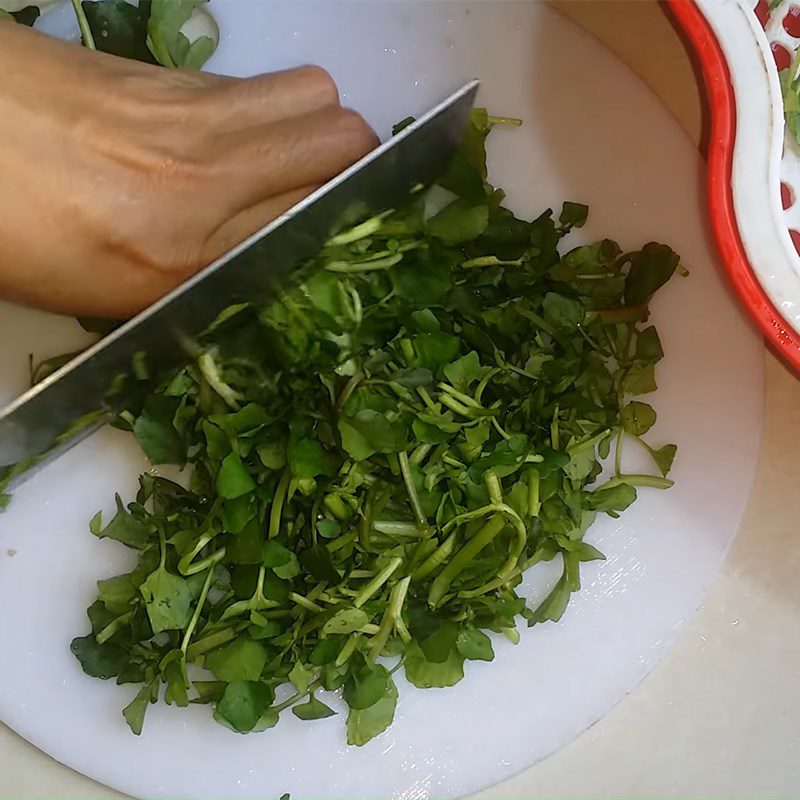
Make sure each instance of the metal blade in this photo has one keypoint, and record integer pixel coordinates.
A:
(36, 422)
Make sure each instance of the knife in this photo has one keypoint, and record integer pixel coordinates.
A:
(41, 424)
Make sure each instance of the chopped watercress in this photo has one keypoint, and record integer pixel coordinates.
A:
(374, 459)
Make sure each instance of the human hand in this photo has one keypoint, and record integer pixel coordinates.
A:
(121, 179)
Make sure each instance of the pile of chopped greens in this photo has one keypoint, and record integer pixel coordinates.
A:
(375, 459)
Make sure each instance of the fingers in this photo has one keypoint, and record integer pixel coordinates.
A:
(250, 220)
(275, 96)
(291, 153)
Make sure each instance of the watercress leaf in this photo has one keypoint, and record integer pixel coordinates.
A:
(134, 712)
(300, 677)
(168, 600)
(233, 480)
(312, 709)
(648, 345)
(650, 269)
(102, 661)
(275, 554)
(664, 457)
(116, 593)
(436, 349)
(243, 704)
(637, 418)
(366, 685)
(459, 222)
(325, 651)
(564, 313)
(439, 645)
(369, 432)
(237, 513)
(347, 620)
(120, 28)
(427, 674)
(272, 455)
(365, 724)
(156, 432)
(573, 215)
(474, 645)
(164, 37)
(412, 377)
(308, 459)
(328, 528)
(317, 560)
(126, 528)
(612, 499)
(26, 16)
(639, 379)
(552, 608)
(465, 370)
(243, 659)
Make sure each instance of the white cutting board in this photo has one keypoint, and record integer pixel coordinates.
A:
(592, 133)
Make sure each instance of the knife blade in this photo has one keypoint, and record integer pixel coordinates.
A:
(40, 425)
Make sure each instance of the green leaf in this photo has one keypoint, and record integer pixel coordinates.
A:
(474, 645)
(168, 600)
(573, 215)
(241, 660)
(640, 379)
(366, 685)
(173, 670)
(365, 724)
(664, 457)
(126, 528)
(612, 499)
(300, 677)
(155, 430)
(313, 709)
(648, 345)
(99, 660)
(275, 554)
(116, 593)
(552, 608)
(326, 651)
(243, 704)
(637, 418)
(120, 28)
(347, 620)
(459, 222)
(272, 455)
(328, 528)
(427, 674)
(465, 370)
(650, 269)
(164, 39)
(317, 560)
(308, 459)
(26, 16)
(233, 480)
(370, 432)
(135, 710)
(412, 377)
(435, 350)
(564, 313)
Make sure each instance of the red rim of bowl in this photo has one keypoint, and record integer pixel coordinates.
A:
(780, 336)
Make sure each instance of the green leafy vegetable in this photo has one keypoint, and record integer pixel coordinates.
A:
(375, 458)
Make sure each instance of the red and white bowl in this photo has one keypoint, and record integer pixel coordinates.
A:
(753, 163)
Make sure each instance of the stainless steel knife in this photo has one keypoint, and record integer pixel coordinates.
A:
(36, 427)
